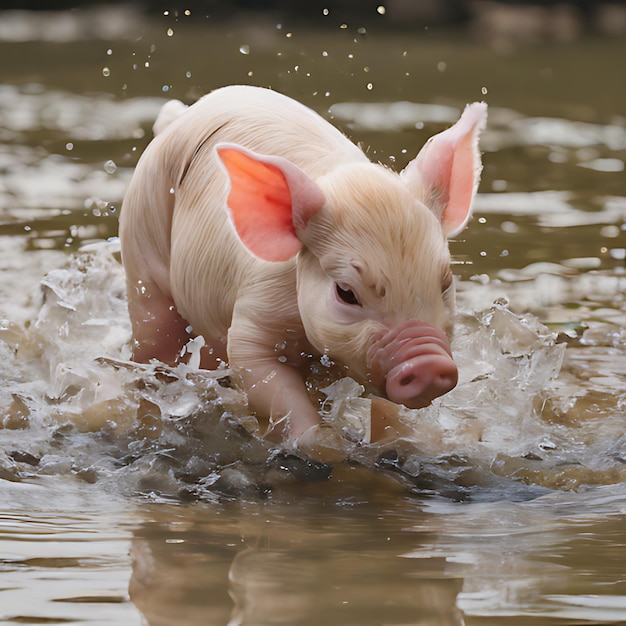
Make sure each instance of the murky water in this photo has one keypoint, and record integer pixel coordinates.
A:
(145, 491)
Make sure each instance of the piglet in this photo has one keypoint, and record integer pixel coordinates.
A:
(256, 224)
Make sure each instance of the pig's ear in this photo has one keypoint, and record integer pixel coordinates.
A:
(445, 173)
(270, 199)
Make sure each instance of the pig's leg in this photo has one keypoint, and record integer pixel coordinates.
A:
(158, 329)
(277, 390)
(267, 367)
(160, 332)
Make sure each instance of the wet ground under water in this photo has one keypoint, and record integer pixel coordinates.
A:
(130, 493)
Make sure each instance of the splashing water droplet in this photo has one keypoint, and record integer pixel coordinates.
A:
(381, 10)
(170, 32)
(484, 91)
(110, 167)
(106, 72)
(245, 49)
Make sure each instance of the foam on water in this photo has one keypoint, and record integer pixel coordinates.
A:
(73, 404)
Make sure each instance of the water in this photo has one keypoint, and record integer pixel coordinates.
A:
(130, 493)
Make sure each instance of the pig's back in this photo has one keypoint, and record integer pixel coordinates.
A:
(269, 123)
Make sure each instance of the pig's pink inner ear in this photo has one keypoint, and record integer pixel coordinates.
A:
(446, 172)
(261, 206)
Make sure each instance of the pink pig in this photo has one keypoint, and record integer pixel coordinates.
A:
(253, 222)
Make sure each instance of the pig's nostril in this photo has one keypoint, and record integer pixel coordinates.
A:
(407, 380)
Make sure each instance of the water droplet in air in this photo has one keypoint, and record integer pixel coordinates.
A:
(381, 10)
(170, 32)
(325, 11)
(484, 91)
(370, 86)
(245, 49)
(106, 72)
(110, 167)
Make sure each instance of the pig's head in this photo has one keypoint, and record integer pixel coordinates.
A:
(375, 290)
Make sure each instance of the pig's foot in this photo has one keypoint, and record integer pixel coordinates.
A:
(385, 422)
(324, 444)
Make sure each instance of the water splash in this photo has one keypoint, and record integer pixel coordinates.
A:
(73, 403)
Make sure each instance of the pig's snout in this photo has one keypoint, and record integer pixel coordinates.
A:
(413, 364)
(417, 382)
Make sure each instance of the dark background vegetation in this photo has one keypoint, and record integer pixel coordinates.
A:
(396, 12)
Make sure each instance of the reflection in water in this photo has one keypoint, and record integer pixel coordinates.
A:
(364, 560)
(253, 566)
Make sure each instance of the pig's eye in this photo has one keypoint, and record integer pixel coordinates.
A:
(347, 295)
